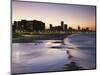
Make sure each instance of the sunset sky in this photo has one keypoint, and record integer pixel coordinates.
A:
(73, 15)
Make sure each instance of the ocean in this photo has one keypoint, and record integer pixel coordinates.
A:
(53, 55)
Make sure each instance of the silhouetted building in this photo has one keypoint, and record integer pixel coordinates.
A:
(78, 28)
(24, 25)
(65, 27)
(51, 28)
(62, 25)
(87, 29)
(83, 30)
(28, 26)
(38, 26)
(14, 26)
(70, 29)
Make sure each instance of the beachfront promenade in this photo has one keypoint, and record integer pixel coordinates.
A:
(30, 37)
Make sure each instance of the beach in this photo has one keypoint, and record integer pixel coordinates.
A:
(75, 52)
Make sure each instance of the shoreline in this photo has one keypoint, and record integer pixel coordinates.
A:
(72, 65)
(32, 38)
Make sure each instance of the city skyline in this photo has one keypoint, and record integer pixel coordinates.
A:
(73, 15)
(39, 26)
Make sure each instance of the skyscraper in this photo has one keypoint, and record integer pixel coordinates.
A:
(65, 27)
(78, 28)
(51, 27)
(62, 25)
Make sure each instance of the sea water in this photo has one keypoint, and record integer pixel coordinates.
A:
(84, 51)
(50, 55)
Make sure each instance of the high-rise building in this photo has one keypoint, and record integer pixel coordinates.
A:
(70, 29)
(65, 27)
(62, 25)
(28, 26)
(51, 27)
(78, 28)
(38, 26)
(87, 28)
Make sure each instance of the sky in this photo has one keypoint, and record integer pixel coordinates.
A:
(50, 13)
